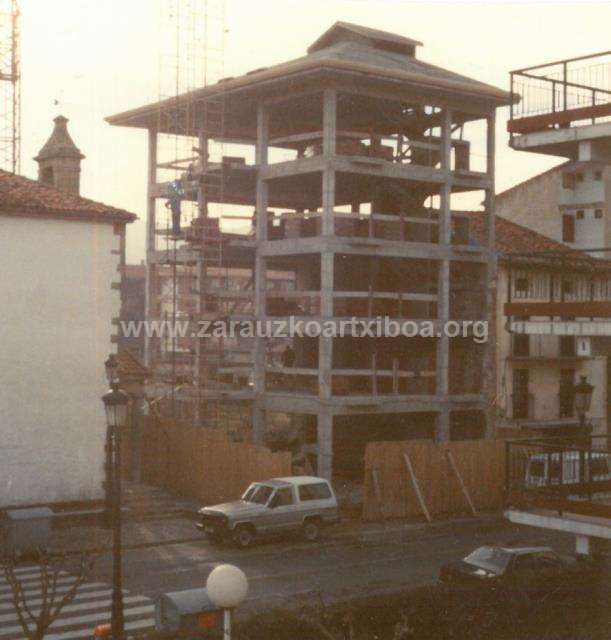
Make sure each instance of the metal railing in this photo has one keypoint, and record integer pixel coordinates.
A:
(557, 472)
(562, 85)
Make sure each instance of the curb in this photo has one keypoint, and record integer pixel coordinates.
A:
(388, 532)
(399, 531)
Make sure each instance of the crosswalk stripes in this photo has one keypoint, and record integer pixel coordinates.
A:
(90, 607)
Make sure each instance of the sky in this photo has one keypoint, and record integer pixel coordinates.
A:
(88, 59)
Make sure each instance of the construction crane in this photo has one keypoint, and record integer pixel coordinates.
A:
(10, 102)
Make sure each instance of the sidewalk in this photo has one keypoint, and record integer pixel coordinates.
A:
(177, 530)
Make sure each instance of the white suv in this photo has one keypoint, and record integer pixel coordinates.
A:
(296, 503)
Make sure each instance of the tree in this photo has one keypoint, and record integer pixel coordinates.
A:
(36, 620)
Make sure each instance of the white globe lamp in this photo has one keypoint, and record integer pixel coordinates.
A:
(227, 587)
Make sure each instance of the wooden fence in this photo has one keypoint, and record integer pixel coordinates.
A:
(424, 478)
(205, 464)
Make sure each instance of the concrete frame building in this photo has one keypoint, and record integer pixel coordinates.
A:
(359, 148)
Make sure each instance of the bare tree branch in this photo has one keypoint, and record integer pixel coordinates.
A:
(35, 625)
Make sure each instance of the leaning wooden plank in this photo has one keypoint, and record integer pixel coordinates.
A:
(412, 475)
(461, 482)
(377, 491)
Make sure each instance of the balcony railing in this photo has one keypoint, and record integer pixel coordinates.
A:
(571, 476)
(561, 93)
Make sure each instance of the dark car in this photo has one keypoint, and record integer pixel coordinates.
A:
(525, 569)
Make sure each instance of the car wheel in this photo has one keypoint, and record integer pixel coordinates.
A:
(311, 530)
(243, 536)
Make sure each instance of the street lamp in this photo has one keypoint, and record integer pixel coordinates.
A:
(227, 587)
(115, 404)
(583, 399)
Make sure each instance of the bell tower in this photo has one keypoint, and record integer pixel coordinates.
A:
(59, 160)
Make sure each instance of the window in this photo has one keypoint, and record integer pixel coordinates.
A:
(521, 401)
(567, 287)
(598, 213)
(568, 228)
(568, 180)
(599, 467)
(555, 471)
(579, 177)
(257, 493)
(566, 391)
(283, 497)
(537, 469)
(521, 287)
(579, 215)
(526, 562)
(567, 345)
(521, 345)
(319, 491)
(598, 175)
(47, 176)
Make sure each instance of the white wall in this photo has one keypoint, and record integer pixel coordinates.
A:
(56, 306)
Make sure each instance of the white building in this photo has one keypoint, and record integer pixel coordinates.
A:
(61, 258)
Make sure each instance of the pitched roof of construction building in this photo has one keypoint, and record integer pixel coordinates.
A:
(345, 48)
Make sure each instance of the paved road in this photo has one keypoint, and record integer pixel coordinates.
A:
(283, 573)
(294, 573)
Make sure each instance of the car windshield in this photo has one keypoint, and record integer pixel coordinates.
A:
(257, 493)
(490, 558)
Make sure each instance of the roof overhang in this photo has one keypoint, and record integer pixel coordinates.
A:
(308, 70)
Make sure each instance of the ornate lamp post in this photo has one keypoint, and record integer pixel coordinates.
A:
(583, 399)
(227, 587)
(115, 403)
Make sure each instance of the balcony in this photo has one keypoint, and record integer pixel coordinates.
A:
(556, 97)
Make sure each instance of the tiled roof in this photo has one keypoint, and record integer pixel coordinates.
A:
(513, 238)
(25, 197)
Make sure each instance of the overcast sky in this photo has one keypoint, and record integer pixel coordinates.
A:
(88, 59)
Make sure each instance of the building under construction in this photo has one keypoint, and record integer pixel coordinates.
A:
(347, 167)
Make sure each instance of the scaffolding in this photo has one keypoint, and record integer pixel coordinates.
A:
(188, 219)
(10, 103)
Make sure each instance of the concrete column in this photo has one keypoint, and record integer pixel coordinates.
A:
(329, 145)
(490, 284)
(200, 276)
(149, 295)
(325, 344)
(442, 431)
(202, 198)
(261, 158)
(258, 424)
(324, 431)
